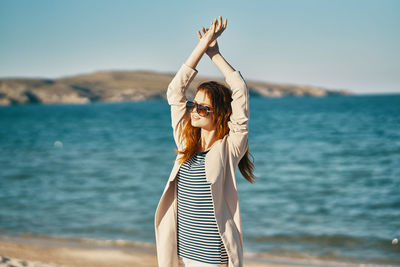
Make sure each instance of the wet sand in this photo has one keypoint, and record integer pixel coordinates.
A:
(58, 252)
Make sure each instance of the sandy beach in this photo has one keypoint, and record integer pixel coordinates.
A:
(60, 252)
(42, 252)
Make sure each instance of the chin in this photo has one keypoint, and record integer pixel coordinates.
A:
(196, 125)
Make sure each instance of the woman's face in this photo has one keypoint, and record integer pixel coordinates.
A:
(199, 121)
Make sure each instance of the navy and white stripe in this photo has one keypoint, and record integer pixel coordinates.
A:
(198, 236)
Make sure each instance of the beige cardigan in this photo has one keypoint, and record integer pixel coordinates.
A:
(220, 164)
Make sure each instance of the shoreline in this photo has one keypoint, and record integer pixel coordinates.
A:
(47, 251)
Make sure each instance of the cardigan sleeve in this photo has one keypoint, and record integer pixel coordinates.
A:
(238, 123)
(177, 100)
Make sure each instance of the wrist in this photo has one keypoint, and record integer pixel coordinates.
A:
(203, 44)
(213, 55)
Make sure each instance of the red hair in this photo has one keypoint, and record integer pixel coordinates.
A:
(221, 98)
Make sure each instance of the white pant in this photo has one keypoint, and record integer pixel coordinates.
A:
(185, 262)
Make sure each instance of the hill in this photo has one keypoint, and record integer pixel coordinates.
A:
(111, 86)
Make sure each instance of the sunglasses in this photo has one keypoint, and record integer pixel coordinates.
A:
(201, 110)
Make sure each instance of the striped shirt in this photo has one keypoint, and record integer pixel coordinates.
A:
(198, 236)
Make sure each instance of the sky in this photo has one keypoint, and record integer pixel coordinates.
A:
(337, 44)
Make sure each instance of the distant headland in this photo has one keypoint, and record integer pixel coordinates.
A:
(115, 86)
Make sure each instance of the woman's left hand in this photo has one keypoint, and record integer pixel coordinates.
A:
(211, 34)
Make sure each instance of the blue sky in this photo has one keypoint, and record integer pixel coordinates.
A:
(345, 44)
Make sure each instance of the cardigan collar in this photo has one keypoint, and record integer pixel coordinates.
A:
(211, 173)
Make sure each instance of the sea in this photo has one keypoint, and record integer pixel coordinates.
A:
(327, 168)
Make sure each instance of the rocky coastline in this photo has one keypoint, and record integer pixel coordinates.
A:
(116, 86)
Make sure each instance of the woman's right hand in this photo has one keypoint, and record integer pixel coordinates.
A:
(211, 34)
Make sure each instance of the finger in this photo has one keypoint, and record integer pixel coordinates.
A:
(204, 31)
(217, 27)
(213, 25)
(199, 34)
(210, 29)
(224, 25)
(220, 22)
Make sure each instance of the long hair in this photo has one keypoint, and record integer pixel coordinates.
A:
(221, 98)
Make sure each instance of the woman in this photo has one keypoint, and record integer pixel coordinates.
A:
(197, 221)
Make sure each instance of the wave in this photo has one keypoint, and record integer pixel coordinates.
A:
(80, 241)
(276, 254)
(326, 247)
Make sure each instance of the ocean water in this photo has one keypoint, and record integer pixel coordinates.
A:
(328, 173)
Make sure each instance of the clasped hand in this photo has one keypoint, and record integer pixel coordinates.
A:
(211, 34)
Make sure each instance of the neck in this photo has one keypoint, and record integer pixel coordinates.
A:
(207, 139)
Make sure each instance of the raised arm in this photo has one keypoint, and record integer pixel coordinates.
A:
(177, 87)
(201, 47)
(213, 49)
(238, 123)
(222, 64)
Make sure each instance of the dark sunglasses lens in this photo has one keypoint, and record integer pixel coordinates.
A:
(189, 106)
(202, 110)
